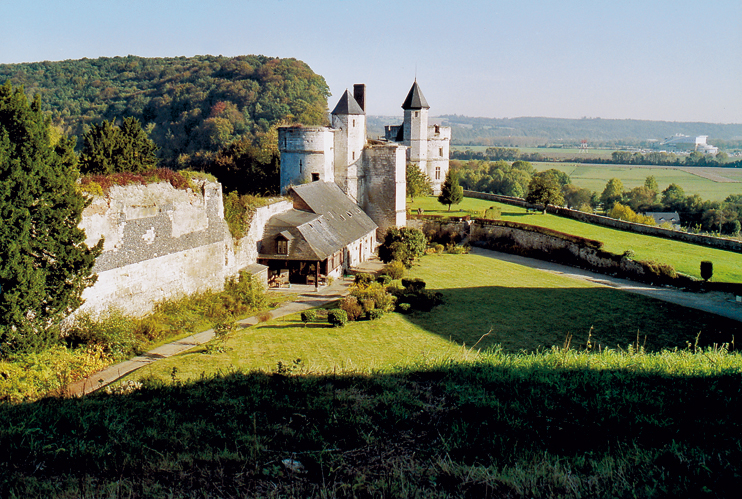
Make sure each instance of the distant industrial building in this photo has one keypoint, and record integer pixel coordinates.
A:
(686, 143)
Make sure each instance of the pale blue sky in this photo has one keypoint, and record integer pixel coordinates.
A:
(674, 60)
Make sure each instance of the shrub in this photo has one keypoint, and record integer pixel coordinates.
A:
(384, 279)
(379, 294)
(404, 307)
(402, 244)
(337, 317)
(394, 269)
(244, 293)
(264, 316)
(458, 250)
(351, 307)
(707, 270)
(439, 248)
(112, 331)
(413, 285)
(308, 316)
(363, 279)
(374, 314)
(492, 213)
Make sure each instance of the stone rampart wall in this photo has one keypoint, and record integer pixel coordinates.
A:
(714, 242)
(163, 243)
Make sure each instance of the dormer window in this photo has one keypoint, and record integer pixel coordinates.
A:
(282, 247)
(437, 129)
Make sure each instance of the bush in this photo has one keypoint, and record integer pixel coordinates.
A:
(458, 250)
(404, 307)
(112, 331)
(351, 307)
(707, 270)
(363, 279)
(374, 314)
(308, 316)
(377, 293)
(394, 269)
(439, 248)
(337, 317)
(402, 244)
(492, 213)
(413, 285)
(384, 279)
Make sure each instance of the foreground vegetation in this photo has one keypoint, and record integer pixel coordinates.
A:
(684, 257)
(555, 424)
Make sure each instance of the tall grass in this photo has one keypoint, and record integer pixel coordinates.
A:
(556, 423)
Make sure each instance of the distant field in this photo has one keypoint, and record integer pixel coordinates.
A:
(548, 152)
(594, 177)
(685, 257)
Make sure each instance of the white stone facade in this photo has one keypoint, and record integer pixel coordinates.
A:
(372, 174)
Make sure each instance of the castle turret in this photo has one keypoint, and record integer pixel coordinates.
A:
(307, 154)
(416, 127)
(349, 119)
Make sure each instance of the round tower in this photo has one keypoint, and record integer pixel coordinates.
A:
(307, 154)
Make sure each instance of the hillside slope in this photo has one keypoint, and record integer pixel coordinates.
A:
(188, 104)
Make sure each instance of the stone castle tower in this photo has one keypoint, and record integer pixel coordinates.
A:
(370, 172)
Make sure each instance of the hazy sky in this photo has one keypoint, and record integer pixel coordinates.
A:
(673, 60)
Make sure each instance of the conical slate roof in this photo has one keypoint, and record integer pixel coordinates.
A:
(415, 99)
(347, 105)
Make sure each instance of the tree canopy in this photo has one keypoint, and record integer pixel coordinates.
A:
(188, 105)
(418, 182)
(44, 262)
(612, 193)
(112, 149)
(545, 189)
(403, 244)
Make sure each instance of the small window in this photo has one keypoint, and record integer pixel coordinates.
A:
(354, 155)
(282, 247)
(354, 122)
(437, 172)
(416, 114)
(301, 167)
(315, 177)
(440, 152)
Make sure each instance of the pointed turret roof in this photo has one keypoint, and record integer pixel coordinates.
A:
(347, 105)
(415, 99)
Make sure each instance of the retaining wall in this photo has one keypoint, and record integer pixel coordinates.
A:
(714, 242)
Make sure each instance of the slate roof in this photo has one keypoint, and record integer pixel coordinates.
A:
(333, 222)
(415, 99)
(664, 216)
(348, 105)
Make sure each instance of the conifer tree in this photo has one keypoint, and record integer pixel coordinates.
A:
(451, 192)
(44, 262)
(112, 149)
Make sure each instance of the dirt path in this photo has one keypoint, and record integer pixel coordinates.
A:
(723, 304)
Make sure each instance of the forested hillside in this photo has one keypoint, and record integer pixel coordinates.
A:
(188, 106)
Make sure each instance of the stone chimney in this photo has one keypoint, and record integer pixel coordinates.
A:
(359, 94)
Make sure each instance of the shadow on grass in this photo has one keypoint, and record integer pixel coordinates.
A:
(231, 433)
(535, 318)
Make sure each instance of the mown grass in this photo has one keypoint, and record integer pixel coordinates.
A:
(518, 308)
(685, 257)
(558, 423)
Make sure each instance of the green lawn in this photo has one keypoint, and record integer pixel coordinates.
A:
(685, 257)
(514, 306)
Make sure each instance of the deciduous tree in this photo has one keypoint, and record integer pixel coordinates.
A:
(402, 244)
(544, 189)
(44, 262)
(418, 182)
(612, 193)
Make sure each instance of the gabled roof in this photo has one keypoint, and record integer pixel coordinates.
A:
(347, 105)
(333, 222)
(415, 99)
